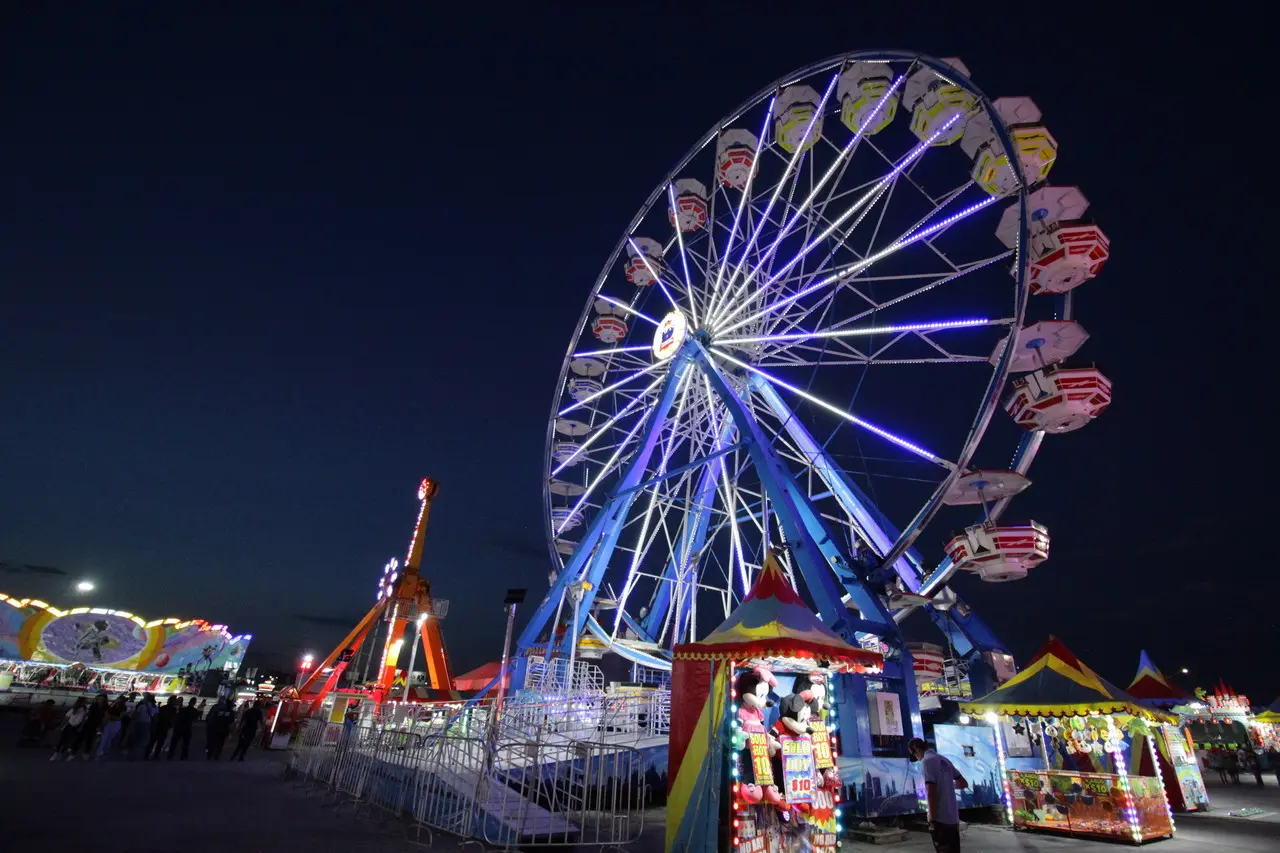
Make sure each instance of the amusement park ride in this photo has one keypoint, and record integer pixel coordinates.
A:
(405, 603)
(739, 377)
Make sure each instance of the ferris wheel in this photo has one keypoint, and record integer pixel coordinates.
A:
(801, 344)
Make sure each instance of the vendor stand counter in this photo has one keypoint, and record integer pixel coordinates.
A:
(1098, 805)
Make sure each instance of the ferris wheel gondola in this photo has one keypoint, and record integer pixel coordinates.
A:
(799, 343)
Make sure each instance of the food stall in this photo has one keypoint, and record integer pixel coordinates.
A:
(1101, 774)
(753, 760)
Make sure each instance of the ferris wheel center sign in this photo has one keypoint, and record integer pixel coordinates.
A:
(670, 335)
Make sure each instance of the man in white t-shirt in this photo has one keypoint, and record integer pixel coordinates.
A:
(941, 781)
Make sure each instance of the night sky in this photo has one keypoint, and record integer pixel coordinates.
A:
(262, 273)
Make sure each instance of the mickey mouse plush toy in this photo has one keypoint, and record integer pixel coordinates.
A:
(812, 687)
(753, 688)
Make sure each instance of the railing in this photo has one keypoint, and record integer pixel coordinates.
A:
(554, 677)
(563, 772)
(61, 676)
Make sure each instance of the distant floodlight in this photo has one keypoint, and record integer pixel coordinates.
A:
(88, 586)
(1185, 670)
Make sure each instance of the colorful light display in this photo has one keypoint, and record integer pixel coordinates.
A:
(34, 630)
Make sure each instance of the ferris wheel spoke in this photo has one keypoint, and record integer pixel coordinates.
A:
(791, 166)
(618, 303)
(925, 326)
(836, 410)
(627, 380)
(838, 166)
(896, 246)
(742, 203)
(866, 199)
(604, 428)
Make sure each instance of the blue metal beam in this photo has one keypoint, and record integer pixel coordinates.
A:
(590, 558)
(813, 556)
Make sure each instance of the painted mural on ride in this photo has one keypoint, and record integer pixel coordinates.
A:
(34, 630)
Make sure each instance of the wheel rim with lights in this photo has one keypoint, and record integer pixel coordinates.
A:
(800, 343)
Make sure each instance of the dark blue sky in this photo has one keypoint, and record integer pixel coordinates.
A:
(261, 273)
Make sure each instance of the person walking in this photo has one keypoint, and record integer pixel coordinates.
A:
(71, 726)
(1253, 763)
(941, 781)
(1231, 763)
(1273, 756)
(1214, 762)
(217, 727)
(249, 724)
(139, 728)
(188, 714)
(112, 723)
(161, 725)
(83, 746)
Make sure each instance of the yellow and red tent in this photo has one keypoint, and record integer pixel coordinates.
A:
(771, 623)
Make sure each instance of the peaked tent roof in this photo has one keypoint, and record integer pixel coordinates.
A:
(477, 678)
(1057, 684)
(773, 621)
(1151, 686)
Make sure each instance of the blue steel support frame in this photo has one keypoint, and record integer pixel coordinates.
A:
(596, 546)
(707, 482)
(969, 635)
(812, 555)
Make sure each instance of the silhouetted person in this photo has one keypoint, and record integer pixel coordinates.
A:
(249, 724)
(1231, 762)
(182, 727)
(161, 724)
(217, 727)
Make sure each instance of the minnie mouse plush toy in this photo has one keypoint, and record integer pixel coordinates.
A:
(752, 688)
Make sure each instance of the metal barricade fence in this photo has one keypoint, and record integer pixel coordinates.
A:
(557, 772)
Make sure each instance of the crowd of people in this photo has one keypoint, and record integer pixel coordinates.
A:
(1230, 763)
(137, 727)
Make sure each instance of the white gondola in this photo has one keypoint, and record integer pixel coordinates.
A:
(690, 212)
(564, 518)
(983, 487)
(566, 488)
(580, 388)
(999, 553)
(795, 112)
(1059, 399)
(1035, 147)
(587, 366)
(1042, 344)
(1065, 251)
(644, 260)
(566, 452)
(572, 428)
(565, 547)
(736, 156)
(866, 105)
(937, 102)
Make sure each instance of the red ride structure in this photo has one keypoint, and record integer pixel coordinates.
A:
(404, 600)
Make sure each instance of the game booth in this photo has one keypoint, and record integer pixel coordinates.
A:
(1224, 719)
(1176, 746)
(748, 773)
(1078, 754)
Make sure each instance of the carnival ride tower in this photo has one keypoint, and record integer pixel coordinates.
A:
(406, 603)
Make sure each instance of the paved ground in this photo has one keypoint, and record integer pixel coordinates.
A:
(199, 806)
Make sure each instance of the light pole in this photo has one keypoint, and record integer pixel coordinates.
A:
(514, 598)
(303, 668)
(413, 656)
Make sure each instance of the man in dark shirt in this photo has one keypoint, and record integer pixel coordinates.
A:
(217, 728)
(248, 728)
(182, 726)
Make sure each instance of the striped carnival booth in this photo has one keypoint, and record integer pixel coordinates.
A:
(774, 628)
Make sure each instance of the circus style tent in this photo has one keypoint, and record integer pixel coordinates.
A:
(1057, 684)
(772, 624)
(1151, 686)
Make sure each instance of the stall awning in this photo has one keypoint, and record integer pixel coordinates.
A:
(1057, 684)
